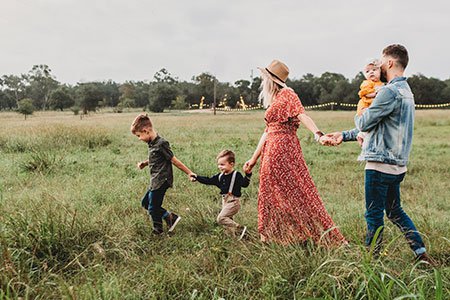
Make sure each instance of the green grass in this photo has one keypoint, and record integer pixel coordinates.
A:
(71, 225)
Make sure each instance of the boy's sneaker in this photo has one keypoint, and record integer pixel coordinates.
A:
(426, 258)
(172, 221)
(157, 228)
(157, 231)
(241, 232)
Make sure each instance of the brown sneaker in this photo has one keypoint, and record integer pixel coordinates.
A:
(242, 230)
(424, 257)
(172, 221)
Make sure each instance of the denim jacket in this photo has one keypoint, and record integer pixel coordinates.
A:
(390, 124)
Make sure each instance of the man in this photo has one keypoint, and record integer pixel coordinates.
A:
(389, 122)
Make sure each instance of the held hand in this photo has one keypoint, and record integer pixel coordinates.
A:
(142, 164)
(192, 177)
(360, 140)
(248, 166)
(333, 139)
(326, 140)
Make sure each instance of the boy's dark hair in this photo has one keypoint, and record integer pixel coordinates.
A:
(228, 154)
(399, 53)
(140, 122)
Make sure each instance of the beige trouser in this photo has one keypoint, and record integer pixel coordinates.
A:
(230, 207)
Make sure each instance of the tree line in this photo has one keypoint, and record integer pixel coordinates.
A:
(40, 90)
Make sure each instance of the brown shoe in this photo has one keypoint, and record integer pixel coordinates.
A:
(242, 230)
(172, 221)
(424, 257)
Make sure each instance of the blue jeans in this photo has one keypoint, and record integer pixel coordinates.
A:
(152, 201)
(383, 193)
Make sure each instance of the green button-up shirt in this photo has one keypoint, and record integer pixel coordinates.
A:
(160, 163)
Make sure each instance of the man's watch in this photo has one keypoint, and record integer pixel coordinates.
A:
(318, 135)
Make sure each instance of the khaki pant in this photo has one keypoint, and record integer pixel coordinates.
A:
(230, 207)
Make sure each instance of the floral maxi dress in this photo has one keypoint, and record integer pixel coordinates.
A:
(289, 207)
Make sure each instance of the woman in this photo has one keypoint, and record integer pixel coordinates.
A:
(289, 207)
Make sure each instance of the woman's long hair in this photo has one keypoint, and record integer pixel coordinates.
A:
(268, 90)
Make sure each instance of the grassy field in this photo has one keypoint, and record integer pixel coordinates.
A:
(71, 225)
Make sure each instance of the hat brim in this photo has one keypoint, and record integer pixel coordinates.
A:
(274, 79)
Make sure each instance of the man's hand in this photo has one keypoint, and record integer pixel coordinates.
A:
(360, 140)
(326, 140)
(142, 164)
(332, 139)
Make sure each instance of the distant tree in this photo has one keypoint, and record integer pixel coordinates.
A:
(111, 93)
(244, 90)
(446, 91)
(179, 102)
(326, 86)
(126, 90)
(164, 76)
(226, 91)
(13, 87)
(88, 96)
(126, 103)
(141, 94)
(355, 83)
(161, 96)
(40, 85)
(6, 102)
(61, 98)
(304, 87)
(190, 92)
(254, 90)
(427, 90)
(26, 107)
(205, 86)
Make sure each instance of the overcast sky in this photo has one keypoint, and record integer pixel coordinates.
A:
(85, 40)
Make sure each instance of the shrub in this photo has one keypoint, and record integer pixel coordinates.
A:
(26, 107)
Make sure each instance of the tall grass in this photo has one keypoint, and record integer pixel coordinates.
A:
(71, 226)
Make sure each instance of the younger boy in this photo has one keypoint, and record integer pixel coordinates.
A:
(160, 163)
(368, 90)
(230, 183)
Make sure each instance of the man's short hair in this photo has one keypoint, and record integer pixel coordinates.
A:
(141, 122)
(399, 53)
(228, 154)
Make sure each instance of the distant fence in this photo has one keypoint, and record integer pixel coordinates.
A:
(237, 109)
(335, 106)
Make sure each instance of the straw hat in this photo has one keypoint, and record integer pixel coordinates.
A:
(277, 71)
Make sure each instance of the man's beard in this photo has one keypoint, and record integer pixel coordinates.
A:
(383, 76)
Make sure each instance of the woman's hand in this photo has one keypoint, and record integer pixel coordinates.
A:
(192, 177)
(248, 166)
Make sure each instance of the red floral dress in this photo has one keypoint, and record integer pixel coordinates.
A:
(289, 207)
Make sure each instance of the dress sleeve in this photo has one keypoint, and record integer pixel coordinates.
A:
(285, 107)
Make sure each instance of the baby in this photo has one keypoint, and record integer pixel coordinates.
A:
(368, 90)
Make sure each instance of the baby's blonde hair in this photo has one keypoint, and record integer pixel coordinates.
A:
(373, 62)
